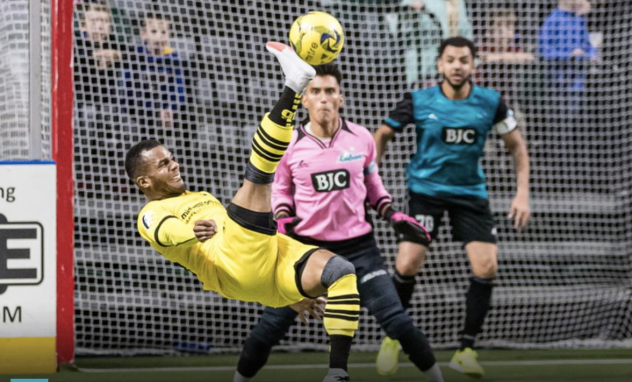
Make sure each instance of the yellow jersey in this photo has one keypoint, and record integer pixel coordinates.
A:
(238, 263)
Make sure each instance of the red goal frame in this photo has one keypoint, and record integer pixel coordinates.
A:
(62, 153)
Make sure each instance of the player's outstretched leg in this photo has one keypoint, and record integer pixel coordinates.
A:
(274, 133)
(327, 273)
(275, 130)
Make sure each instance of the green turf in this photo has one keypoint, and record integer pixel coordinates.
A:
(582, 372)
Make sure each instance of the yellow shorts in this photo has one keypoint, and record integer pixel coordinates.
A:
(257, 267)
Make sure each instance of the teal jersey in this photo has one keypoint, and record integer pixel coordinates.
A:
(451, 135)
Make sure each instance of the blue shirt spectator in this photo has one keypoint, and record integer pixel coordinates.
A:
(565, 44)
(154, 81)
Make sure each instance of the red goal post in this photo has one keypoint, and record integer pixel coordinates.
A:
(62, 146)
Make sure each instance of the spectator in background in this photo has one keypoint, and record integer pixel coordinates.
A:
(154, 81)
(565, 46)
(98, 124)
(437, 20)
(500, 53)
(97, 57)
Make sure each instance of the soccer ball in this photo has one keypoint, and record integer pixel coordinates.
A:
(317, 37)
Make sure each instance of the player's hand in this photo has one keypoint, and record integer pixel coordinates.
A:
(520, 211)
(407, 225)
(286, 224)
(204, 230)
(314, 307)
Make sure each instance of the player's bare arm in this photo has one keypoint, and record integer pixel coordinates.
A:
(517, 147)
(382, 136)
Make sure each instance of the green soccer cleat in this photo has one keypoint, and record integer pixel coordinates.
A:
(464, 361)
(387, 361)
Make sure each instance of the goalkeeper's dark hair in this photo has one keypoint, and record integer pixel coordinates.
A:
(330, 69)
(459, 42)
(133, 158)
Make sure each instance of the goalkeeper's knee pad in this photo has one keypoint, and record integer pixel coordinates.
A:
(336, 268)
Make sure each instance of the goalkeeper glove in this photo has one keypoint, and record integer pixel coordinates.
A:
(407, 226)
(286, 224)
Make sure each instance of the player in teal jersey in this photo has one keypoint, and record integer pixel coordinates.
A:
(452, 120)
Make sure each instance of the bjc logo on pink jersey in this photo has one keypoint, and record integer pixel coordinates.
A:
(331, 180)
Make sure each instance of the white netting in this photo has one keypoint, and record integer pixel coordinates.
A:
(15, 64)
(563, 282)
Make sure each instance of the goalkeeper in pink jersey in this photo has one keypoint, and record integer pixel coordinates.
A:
(318, 197)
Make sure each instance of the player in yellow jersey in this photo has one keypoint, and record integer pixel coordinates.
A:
(236, 251)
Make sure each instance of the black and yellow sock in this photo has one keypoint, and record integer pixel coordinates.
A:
(272, 138)
(342, 311)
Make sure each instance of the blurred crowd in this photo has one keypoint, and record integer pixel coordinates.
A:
(174, 72)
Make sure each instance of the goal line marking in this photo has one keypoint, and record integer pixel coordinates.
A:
(360, 366)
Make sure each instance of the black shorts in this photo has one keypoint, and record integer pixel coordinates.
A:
(470, 217)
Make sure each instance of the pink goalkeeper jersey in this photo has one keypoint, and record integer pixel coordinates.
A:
(326, 184)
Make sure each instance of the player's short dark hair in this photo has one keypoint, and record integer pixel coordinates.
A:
(330, 69)
(133, 159)
(459, 42)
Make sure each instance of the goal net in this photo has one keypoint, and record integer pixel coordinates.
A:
(564, 281)
(24, 94)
